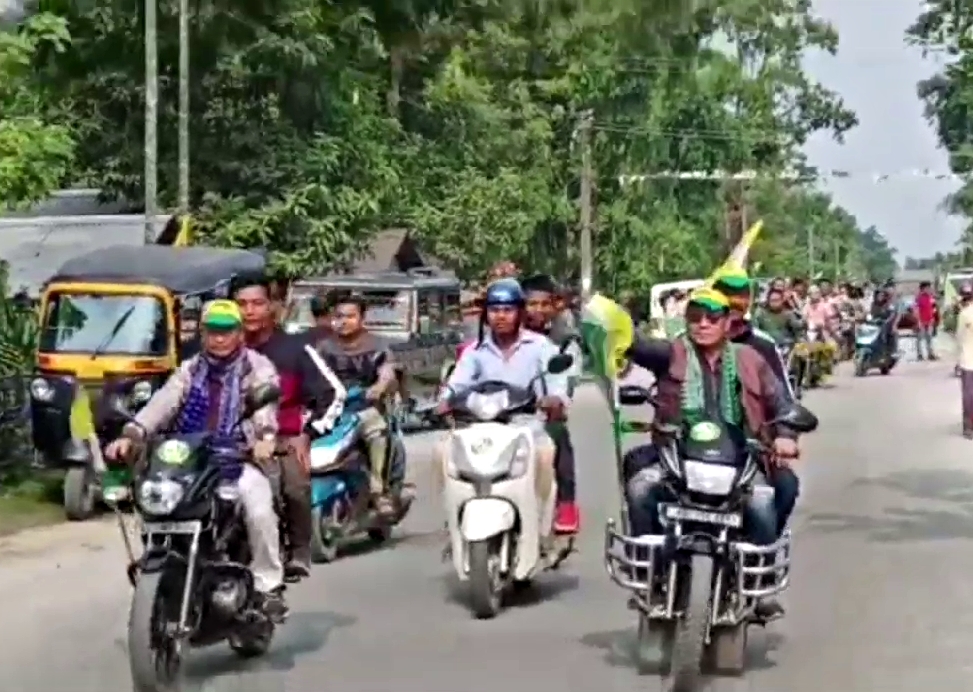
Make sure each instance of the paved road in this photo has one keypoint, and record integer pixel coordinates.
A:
(882, 597)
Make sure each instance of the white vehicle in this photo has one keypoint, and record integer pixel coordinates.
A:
(500, 529)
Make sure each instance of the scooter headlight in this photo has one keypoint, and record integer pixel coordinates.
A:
(487, 407)
(159, 497)
(41, 390)
(481, 462)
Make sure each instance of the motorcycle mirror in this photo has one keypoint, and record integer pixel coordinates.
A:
(799, 419)
(559, 363)
(633, 395)
(261, 396)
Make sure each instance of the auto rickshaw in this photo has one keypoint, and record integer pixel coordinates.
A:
(116, 322)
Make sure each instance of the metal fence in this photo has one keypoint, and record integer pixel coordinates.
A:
(15, 444)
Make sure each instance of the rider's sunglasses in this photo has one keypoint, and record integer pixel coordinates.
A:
(698, 313)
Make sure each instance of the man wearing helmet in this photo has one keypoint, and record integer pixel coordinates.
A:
(508, 352)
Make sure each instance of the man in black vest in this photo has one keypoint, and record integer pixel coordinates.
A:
(360, 359)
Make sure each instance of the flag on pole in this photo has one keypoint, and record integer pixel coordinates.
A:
(607, 332)
(736, 263)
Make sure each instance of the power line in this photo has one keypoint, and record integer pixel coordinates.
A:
(809, 175)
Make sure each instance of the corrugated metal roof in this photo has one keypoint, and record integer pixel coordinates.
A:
(35, 247)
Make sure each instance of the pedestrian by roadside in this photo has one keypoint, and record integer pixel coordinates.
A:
(925, 309)
(964, 342)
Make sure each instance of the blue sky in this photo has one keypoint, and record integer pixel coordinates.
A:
(876, 73)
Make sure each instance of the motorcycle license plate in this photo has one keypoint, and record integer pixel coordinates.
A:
(172, 527)
(703, 517)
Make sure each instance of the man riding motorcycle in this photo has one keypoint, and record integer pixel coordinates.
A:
(883, 311)
(510, 353)
(352, 354)
(703, 375)
(542, 316)
(774, 318)
(207, 393)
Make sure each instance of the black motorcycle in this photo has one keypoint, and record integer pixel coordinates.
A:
(696, 585)
(193, 585)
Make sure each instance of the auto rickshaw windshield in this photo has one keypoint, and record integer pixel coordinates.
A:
(387, 310)
(110, 324)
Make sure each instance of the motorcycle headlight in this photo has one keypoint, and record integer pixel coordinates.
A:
(709, 479)
(41, 390)
(141, 392)
(159, 497)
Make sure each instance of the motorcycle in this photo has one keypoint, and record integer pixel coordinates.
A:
(872, 349)
(817, 356)
(696, 585)
(192, 584)
(340, 492)
(500, 532)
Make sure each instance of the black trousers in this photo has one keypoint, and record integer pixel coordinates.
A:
(563, 462)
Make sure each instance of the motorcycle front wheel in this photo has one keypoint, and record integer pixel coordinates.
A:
(690, 639)
(154, 656)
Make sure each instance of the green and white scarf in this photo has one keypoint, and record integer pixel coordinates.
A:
(694, 391)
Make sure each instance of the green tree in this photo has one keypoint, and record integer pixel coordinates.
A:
(35, 153)
(944, 26)
(315, 125)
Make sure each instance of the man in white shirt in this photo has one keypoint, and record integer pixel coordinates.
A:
(964, 343)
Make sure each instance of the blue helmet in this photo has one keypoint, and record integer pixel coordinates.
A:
(504, 292)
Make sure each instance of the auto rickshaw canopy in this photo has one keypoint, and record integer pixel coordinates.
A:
(182, 270)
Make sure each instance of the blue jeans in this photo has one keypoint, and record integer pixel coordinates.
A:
(764, 521)
(786, 489)
(924, 338)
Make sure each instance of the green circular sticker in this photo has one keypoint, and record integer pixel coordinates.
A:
(704, 432)
(173, 452)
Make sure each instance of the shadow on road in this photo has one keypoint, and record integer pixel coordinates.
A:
(303, 634)
(547, 587)
(900, 524)
(621, 648)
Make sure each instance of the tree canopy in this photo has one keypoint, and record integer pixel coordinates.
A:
(315, 125)
(943, 28)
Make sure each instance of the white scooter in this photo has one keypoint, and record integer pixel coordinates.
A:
(501, 531)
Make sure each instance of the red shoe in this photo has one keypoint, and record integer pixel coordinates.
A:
(567, 518)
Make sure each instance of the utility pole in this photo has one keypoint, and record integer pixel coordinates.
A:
(837, 259)
(587, 183)
(810, 250)
(183, 106)
(151, 121)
